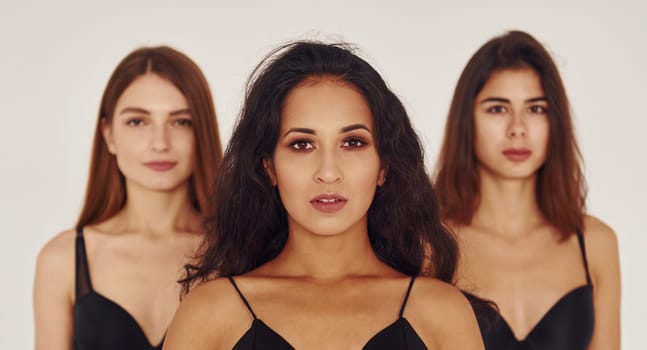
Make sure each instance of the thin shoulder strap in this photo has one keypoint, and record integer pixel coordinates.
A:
(83, 285)
(580, 239)
(406, 296)
(231, 279)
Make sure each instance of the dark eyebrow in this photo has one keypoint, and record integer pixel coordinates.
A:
(134, 110)
(301, 130)
(355, 127)
(505, 100)
(537, 99)
(180, 112)
(495, 99)
(343, 130)
(144, 111)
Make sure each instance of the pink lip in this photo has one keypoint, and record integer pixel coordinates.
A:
(160, 165)
(517, 154)
(328, 203)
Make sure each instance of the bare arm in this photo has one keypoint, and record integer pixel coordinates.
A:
(54, 293)
(602, 253)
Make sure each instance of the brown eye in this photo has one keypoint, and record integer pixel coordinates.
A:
(354, 143)
(184, 122)
(135, 122)
(496, 109)
(302, 145)
(538, 109)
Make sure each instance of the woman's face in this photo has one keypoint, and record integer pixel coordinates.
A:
(325, 163)
(511, 124)
(151, 135)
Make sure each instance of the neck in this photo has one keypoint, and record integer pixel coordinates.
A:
(157, 212)
(330, 258)
(507, 207)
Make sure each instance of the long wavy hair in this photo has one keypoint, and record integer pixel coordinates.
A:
(106, 190)
(561, 187)
(248, 226)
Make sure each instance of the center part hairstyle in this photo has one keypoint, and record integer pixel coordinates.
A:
(106, 190)
(249, 224)
(561, 187)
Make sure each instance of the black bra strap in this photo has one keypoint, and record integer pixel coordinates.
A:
(231, 279)
(83, 285)
(580, 239)
(406, 296)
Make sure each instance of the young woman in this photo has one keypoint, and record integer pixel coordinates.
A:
(511, 186)
(111, 282)
(324, 215)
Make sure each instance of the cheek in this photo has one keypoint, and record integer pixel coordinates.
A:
(486, 137)
(290, 174)
(364, 171)
(127, 142)
(541, 133)
(185, 142)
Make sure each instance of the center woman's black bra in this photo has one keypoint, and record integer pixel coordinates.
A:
(399, 335)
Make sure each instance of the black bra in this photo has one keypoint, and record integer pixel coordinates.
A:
(397, 336)
(568, 324)
(100, 323)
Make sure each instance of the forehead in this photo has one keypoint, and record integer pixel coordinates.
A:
(152, 89)
(513, 82)
(325, 103)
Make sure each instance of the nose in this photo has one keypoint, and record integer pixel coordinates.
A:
(160, 139)
(517, 126)
(328, 171)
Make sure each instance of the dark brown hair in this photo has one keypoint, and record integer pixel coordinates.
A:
(106, 191)
(249, 225)
(561, 187)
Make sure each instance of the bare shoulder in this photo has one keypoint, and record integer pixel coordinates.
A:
(57, 255)
(211, 316)
(217, 294)
(598, 232)
(601, 246)
(433, 294)
(58, 246)
(443, 315)
(601, 240)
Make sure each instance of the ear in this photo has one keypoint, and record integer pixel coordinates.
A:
(381, 177)
(106, 131)
(269, 170)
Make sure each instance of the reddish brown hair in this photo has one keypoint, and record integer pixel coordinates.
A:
(106, 191)
(561, 187)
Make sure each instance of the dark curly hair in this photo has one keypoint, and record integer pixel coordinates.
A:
(247, 225)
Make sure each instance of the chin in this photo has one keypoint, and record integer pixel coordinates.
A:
(166, 185)
(330, 229)
(518, 175)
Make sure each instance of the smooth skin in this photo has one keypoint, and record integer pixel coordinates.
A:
(136, 256)
(326, 289)
(510, 254)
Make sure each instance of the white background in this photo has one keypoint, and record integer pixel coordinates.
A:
(56, 57)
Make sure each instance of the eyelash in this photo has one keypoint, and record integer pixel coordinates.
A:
(535, 109)
(305, 145)
(354, 142)
(496, 109)
(184, 122)
(538, 109)
(298, 145)
(135, 122)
